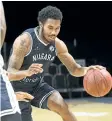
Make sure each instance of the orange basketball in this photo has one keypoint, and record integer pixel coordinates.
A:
(97, 82)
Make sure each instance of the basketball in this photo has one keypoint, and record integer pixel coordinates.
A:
(97, 82)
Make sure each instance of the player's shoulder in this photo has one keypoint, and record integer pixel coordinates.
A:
(23, 38)
(60, 46)
(59, 42)
(27, 33)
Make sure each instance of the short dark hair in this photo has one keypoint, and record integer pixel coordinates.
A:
(49, 12)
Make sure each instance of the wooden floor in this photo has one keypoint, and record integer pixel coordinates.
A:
(84, 110)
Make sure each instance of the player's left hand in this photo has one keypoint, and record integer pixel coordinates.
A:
(86, 69)
(23, 96)
(96, 67)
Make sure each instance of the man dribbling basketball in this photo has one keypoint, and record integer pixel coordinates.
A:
(37, 48)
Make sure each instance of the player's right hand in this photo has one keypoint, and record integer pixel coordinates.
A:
(35, 68)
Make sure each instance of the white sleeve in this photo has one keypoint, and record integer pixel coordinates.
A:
(1, 61)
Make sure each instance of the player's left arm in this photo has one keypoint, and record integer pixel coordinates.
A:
(65, 57)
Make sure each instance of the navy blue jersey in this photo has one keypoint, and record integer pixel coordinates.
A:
(39, 53)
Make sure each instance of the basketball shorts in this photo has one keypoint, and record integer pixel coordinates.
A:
(41, 94)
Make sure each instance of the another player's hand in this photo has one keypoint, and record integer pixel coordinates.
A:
(34, 69)
(23, 96)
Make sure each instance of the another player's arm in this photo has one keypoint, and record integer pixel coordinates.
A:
(74, 68)
(2, 24)
(20, 49)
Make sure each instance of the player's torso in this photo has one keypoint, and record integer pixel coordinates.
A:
(39, 53)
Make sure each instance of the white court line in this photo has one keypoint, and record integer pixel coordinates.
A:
(92, 114)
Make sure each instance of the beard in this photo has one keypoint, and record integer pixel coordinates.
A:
(46, 39)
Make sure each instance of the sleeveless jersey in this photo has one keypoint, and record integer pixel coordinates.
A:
(39, 53)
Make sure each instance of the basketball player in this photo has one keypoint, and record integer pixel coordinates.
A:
(9, 108)
(40, 45)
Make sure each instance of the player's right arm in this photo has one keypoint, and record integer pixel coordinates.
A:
(21, 47)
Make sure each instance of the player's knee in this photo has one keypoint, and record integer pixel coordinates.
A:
(57, 104)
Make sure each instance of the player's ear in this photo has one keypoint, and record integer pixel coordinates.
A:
(40, 24)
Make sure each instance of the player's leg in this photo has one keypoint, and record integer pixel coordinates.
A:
(12, 117)
(47, 97)
(26, 110)
(41, 94)
(57, 104)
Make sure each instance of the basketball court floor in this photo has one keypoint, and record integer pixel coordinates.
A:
(88, 109)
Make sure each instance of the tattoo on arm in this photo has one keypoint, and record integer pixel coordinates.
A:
(17, 56)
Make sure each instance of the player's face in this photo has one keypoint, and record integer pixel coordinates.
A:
(51, 29)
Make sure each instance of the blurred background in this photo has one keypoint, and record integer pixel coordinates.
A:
(86, 30)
